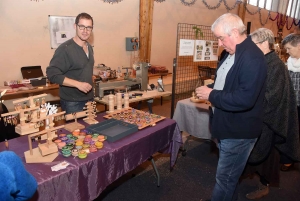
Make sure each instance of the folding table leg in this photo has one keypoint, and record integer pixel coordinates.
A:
(184, 146)
(156, 171)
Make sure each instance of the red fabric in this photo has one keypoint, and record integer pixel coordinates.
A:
(17, 86)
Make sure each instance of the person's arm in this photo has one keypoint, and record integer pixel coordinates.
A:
(82, 86)
(252, 76)
(16, 183)
(59, 65)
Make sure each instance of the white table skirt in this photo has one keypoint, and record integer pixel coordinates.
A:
(193, 118)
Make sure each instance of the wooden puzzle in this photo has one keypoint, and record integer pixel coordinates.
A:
(137, 117)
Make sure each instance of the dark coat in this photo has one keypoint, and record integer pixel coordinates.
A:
(238, 107)
(280, 125)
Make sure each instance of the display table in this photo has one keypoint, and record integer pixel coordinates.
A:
(146, 96)
(85, 179)
(30, 92)
(193, 118)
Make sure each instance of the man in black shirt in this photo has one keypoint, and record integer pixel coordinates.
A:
(72, 67)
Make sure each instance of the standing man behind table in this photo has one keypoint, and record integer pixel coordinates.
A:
(237, 102)
(72, 67)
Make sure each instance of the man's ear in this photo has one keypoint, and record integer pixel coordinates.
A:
(235, 32)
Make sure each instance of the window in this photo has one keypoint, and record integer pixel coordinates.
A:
(266, 4)
(293, 9)
(280, 6)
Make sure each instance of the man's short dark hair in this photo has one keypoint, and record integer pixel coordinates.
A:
(293, 39)
(83, 16)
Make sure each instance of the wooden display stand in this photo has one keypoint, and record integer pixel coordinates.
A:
(45, 152)
(26, 128)
(89, 114)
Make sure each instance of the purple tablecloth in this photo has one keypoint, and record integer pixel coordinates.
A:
(85, 179)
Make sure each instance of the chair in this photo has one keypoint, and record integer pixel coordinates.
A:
(204, 73)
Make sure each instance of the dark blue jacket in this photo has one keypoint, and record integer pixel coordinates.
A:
(238, 110)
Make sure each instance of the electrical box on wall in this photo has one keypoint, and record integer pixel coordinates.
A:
(132, 43)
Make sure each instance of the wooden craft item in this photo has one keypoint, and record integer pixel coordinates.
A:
(142, 117)
(45, 152)
(126, 100)
(196, 100)
(119, 101)
(29, 119)
(111, 103)
(90, 115)
(36, 157)
(26, 128)
(73, 126)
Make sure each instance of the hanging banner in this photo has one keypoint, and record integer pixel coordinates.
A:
(186, 47)
(206, 50)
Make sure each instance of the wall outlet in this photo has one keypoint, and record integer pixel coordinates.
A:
(132, 43)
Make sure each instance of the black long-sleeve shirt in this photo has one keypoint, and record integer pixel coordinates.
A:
(71, 61)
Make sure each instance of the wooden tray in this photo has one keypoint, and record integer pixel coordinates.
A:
(124, 115)
(195, 100)
(113, 129)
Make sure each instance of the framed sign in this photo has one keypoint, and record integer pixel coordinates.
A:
(205, 50)
(61, 29)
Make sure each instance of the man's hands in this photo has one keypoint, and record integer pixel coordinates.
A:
(203, 92)
(82, 86)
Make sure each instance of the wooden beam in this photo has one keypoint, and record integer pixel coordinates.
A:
(145, 29)
(242, 10)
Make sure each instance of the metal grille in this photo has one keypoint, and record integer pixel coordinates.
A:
(185, 70)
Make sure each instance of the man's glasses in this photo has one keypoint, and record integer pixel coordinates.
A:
(82, 27)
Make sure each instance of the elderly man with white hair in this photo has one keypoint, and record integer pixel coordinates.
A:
(237, 102)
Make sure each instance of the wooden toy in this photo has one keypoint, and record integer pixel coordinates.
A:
(195, 99)
(90, 115)
(140, 118)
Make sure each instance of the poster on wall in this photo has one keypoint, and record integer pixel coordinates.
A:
(61, 29)
(205, 50)
(186, 47)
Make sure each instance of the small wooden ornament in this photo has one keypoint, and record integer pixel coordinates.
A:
(111, 103)
(119, 101)
(126, 100)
